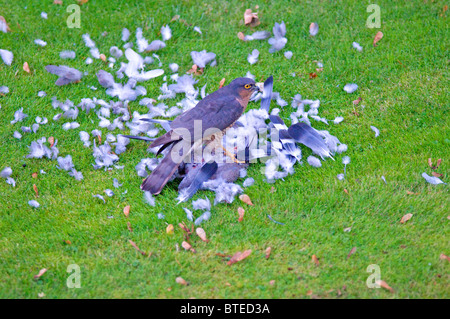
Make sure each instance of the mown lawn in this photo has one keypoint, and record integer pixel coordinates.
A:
(403, 83)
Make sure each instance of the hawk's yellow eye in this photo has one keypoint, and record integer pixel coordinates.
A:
(247, 86)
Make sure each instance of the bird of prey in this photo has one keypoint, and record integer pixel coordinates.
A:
(216, 113)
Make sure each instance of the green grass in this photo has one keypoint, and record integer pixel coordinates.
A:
(403, 83)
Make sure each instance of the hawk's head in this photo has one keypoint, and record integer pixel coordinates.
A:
(244, 87)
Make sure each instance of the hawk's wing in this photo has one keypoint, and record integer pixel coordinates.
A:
(215, 111)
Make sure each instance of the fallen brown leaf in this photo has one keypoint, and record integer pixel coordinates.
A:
(241, 36)
(181, 281)
(239, 256)
(26, 67)
(251, 18)
(221, 83)
(41, 272)
(175, 18)
(137, 248)
(356, 102)
(377, 38)
(246, 199)
(57, 2)
(241, 213)
(346, 191)
(34, 175)
(51, 140)
(272, 282)
(406, 218)
(82, 1)
(129, 227)
(185, 228)
(126, 210)
(187, 246)
(312, 75)
(444, 257)
(438, 163)
(268, 250)
(436, 174)
(169, 229)
(103, 57)
(68, 242)
(202, 234)
(195, 70)
(352, 251)
(315, 260)
(36, 190)
(384, 285)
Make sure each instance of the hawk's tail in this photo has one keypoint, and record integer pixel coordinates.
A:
(160, 175)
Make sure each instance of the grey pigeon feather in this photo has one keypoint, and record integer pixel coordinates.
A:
(306, 135)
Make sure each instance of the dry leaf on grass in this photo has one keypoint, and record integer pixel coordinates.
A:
(195, 70)
(129, 227)
(241, 36)
(51, 140)
(241, 213)
(352, 251)
(315, 260)
(202, 234)
(356, 102)
(26, 67)
(272, 282)
(246, 199)
(406, 218)
(268, 250)
(221, 83)
(181, 281)
(169, 229)
(251, 18)
(239, 256)
(377, 38)
(384, 285)
(312, 75)
(187, 246)
(444, 257)
(82, 1)
(36, 190)
(41, 272)
(437, 174)
(57, 2)
(126, 210)
(103, 57)
(185, 228)
(346, 191)
(137, 248)
(34, 175)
